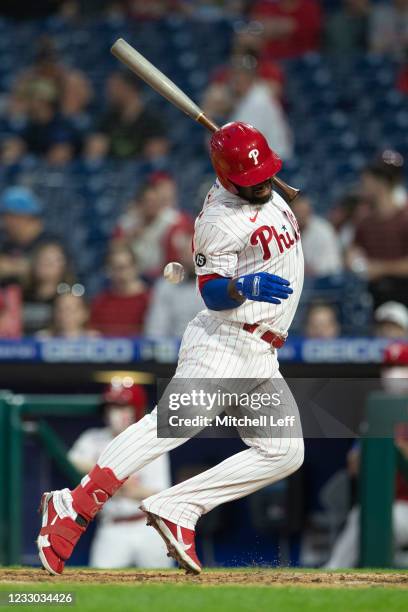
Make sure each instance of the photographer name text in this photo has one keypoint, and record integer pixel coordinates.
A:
(232, 421)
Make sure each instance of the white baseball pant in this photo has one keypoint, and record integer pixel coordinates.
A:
(211, 348)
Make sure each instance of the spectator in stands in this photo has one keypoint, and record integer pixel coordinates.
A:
(95, 150)
(347, 215)
(10, 312)
(152, 225)
(391, 320)
(256, 103)
(321, 321)
(291, 27)
(181, 224)
(22, 232)
(380, 248)
(245, 52)
(217, 102)
(13, 150)
(166, 189)
(76, 95)
(402, 78)
(45, 74)
(346, 30)
(69, 317)
(50, 270)
(61, 153)
(209, 10)
(389, 28)
(147, 11)
(121, 309)
(321, 246)
(354, 207)
(392, 162)
(122, 538)
(132, 128)
(68, 86)
(174, 306)
(45, 124)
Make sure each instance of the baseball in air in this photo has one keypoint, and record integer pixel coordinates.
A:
(174, 272)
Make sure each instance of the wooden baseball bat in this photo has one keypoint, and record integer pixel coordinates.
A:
(169, 90)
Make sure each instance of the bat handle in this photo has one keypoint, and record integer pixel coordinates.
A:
(289, 192)
(207, 123)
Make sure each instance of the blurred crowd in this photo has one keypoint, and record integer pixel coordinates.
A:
(51, 111)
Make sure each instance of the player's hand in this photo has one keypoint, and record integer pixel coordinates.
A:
(263, 287)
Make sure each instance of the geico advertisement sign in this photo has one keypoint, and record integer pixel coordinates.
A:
(94, 351)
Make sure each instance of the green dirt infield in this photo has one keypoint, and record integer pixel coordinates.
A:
(215, 590)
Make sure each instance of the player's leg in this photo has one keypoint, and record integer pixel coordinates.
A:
(175, 511)
(111, 547)
(66, 514)
(236, 477)
(208, 351)
(277, 454)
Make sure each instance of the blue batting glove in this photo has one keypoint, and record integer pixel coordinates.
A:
(263, 287)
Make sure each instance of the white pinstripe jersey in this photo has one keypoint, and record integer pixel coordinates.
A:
(233, 238)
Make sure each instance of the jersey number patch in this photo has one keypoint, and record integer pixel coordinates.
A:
(200, 260)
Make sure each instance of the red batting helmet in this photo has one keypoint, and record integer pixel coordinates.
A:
(241, 155)
(133, 395)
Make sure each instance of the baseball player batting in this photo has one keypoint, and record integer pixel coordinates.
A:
(249, 264)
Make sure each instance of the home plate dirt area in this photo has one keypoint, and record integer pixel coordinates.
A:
(215, 577)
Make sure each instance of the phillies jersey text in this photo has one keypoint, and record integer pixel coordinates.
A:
(233, 238)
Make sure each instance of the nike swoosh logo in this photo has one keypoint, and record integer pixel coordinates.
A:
(180, 539)
(253, 219)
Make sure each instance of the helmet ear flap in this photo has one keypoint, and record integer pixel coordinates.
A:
(232, 188)
(228, 185)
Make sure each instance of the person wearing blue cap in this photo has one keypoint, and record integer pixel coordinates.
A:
(22, 231)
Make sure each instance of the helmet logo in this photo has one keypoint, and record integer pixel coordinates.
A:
(254, 154)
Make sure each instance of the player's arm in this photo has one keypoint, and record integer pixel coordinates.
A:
(227, 293)
(216, 256)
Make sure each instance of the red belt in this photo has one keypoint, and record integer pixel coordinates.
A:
(269, 336)
(130, 518)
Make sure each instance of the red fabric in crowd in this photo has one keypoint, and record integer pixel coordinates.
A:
(402, 80)
(117, 315)
(267, 70)
(174, 238)
(307, 17)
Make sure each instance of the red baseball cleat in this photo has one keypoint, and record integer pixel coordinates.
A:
(180, 542)
(58, 536)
